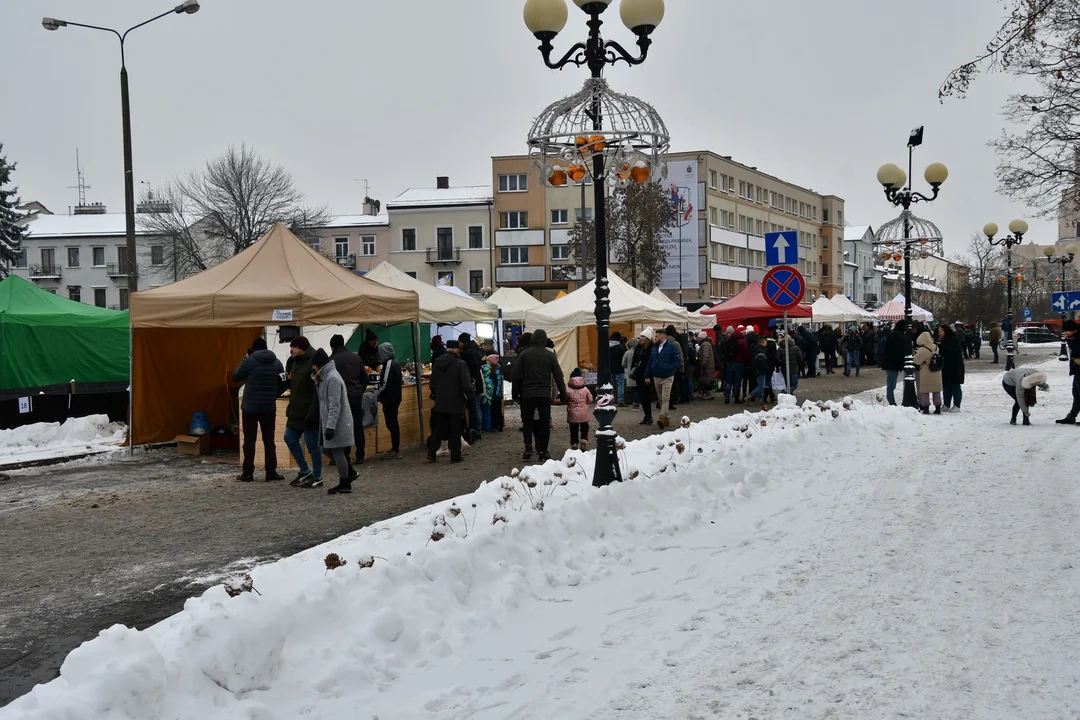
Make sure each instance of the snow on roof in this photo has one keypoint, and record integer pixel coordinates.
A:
(855, 232)
(342, 221)
(440, 197)
(106, 224)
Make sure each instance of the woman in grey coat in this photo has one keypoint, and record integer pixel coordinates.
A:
(1020, 384)
(335, 419)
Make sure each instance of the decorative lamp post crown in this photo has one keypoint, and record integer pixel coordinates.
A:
(918, 230)
(633, 142)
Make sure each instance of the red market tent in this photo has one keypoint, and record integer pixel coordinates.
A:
(749, 306)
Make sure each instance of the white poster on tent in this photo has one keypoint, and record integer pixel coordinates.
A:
(681, 239)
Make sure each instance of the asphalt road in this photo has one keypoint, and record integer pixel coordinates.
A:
(121, 539)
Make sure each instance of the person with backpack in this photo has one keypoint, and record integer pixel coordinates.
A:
(736, 356)
(929, 362)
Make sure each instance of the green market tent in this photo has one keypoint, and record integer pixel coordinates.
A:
(46, 342)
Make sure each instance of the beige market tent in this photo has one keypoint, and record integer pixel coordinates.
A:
(188, 337)
(514, 303)
(436, 305)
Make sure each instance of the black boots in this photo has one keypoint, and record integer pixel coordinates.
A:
(937, 410)
(925, 409)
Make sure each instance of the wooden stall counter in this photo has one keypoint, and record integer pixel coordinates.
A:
(377, 437)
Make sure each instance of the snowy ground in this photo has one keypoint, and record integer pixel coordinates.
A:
(47, 441)
(822, 562)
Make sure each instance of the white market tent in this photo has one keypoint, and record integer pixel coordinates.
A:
(853, 311)
(693, 319)
(514, 303)
(436, 305)
(894, 310)
(825, 311)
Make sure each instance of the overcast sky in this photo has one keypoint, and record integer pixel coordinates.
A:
(398, 92)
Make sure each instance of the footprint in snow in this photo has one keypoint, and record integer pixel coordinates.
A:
(563, 633)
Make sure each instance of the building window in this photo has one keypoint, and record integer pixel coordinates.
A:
(712, 179)
(514, 220)
(759, 227)
(73, 257)
(514, 255)
(582, 212)
(408, 239)
(824, 270)
(411, 273)
(824, 242)
(840, 218)
(560, 252)
(742, 189)
(757, 193)
(98, 256)
(445, 277)
(444, 242)
(341, 247)
(157, 255)
(367, 245)
(476, 237)
(476, 281)
(712, 216)
(824, 215)
(560, 217)
(315, 243)
(48, 261)
(513, 183)
(75, 293)
(99, 297)
(20, 258)
(123, 299)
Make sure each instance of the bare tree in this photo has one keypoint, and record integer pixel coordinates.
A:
(1039, 43)
(220, 210)
(638, 219)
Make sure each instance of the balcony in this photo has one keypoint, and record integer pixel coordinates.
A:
(520, 274)
(870, 297)
(346, 261)
(517, 238)
(117, 270)
(45, 272)
(444, 256)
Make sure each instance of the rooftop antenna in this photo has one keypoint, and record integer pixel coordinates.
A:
(366, 187)
(82, 187)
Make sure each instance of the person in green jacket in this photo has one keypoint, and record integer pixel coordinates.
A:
(302, 415)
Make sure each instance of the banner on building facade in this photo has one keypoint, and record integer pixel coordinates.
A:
(681, 239)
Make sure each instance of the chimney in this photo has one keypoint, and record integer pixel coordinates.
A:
(367, 207)
(442, 182)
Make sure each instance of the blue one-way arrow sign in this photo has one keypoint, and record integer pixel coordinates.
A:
(1065, 301)
(782, 248)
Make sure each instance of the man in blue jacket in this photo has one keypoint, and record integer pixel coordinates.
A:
(664, 362)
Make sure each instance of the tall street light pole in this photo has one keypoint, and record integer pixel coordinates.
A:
(573, 131)
(1017, 228)
(187, 7)
(1064, 261)
(898, 191)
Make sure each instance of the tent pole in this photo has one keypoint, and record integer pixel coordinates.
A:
(131, 390)
(418, 378)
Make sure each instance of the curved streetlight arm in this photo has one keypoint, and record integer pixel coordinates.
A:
(595, 52)
(119, 36)
(905, 197)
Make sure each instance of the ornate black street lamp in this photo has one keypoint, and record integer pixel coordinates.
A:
(188, 7)
(1064, 261)
(1017, 228)
(909, 236)
(621, 137)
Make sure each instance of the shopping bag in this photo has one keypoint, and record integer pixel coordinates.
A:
(778, 383)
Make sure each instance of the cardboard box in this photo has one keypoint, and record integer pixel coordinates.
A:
(193, 444)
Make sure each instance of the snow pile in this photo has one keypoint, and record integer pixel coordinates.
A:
(39, 440)
(313, 633)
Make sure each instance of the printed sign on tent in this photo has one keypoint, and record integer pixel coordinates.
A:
(24, 405)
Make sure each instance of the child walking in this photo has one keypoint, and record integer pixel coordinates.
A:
(578, 399)
(493, 394)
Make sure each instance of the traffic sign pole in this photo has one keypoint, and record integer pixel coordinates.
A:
(787, 356)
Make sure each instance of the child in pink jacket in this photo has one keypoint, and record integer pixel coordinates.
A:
(578, 399)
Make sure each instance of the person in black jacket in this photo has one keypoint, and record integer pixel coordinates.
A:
(897, 348)
(638, 365)
(264, 381)
(302, 413)
(389, 396)
(474, 359)
(1069, 331)
(812, 347)
(535, 370)
(616, 350)
(829, 345)
(451, 388)
(353, 372)
(952, 369)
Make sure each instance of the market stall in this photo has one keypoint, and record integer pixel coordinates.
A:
(825, 311)
(188, 337)
(513, 303)
(894, 310)
(853, 313)
(750, 307)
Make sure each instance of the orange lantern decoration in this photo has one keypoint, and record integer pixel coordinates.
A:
(1001, 280)
(897, 257)
(596, 143)
(576, 172)
(581, 141)
(623, 173)
(557, 177)
(640, 172)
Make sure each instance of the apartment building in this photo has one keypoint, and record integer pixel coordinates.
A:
(443, 235)
(730, 207)
(83, 256)
(358, 242)
(863, 277)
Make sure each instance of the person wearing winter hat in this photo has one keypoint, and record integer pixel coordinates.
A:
(302, 413)
(369, 350)
(639, 363)
(263, 378)
(1020, 384)
(437, 347)
(335, 419)
(1069, 331)
(354, 374)
(578, 399)
(493, 392)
